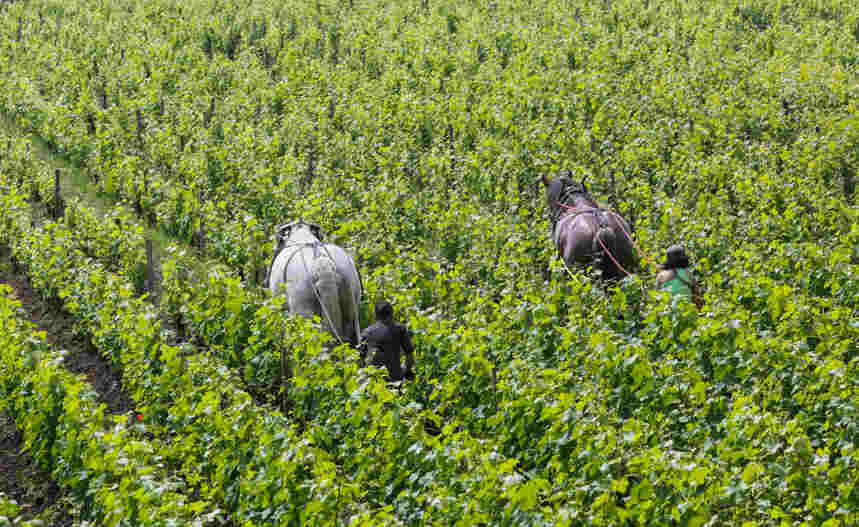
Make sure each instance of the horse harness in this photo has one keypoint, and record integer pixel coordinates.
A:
(566, 196)
(316, 246)
(600, 214)
(598, 248)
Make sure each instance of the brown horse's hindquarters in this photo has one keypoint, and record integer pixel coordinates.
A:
(626, 252)
(574, 240)
(581, 241)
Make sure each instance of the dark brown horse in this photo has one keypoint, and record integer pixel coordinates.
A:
(587, 234)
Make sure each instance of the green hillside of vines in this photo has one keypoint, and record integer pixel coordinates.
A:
(415, 132)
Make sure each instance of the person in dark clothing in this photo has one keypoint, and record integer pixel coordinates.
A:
(384, 341)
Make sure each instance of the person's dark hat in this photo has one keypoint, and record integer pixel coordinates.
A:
(675, 257)
(384, 310)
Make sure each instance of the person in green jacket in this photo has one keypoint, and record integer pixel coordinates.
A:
(675, 276)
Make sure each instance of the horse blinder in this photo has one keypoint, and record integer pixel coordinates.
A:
(285, 230)
(315, 230)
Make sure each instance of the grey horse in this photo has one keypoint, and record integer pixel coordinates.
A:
(318, 279)
(586, 233)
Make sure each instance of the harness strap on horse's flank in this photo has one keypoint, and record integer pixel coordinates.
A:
(600, 215)
(315, 244)
(319, 299)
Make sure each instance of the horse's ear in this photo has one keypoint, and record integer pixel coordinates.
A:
(545, 179)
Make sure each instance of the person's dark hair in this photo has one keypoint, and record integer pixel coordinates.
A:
(384, 310)
(675, 258)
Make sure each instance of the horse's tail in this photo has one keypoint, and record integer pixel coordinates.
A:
(355, 301)
(327, 282)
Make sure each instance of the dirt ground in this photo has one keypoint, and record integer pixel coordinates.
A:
(20, 479)
(23, 481)
(59, 326)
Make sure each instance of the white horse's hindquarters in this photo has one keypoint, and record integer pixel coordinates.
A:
(292, 270)
(350, 302)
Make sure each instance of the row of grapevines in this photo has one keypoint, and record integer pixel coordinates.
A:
(114, 238)
(185, 61)
(210, 432)
(219, 311)
(118, 476)
(675, 109)
(647, 395)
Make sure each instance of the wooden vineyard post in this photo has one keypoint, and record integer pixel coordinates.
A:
(848, 181)
(58, 199)
(142, 192)
(102, 96)
(139, 116)
(208, 114)
(150, 268)
(198, 237)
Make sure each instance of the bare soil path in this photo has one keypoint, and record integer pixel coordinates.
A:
(20, 477)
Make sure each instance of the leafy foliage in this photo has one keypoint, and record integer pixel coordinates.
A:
(414, 132)
(119, 476)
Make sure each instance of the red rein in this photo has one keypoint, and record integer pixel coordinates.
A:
(570, 207)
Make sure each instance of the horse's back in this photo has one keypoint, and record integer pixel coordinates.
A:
(324, 270)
